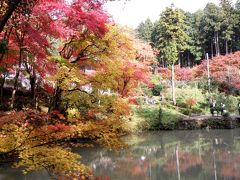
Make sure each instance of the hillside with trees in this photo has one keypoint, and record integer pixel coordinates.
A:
(198, 57)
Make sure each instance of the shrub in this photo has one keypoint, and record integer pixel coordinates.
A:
(157, 90)
(190, 102)
(226, 114)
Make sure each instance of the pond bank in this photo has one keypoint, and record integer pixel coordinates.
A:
(208, 122)
(149, 118)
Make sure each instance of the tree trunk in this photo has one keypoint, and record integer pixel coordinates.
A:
(32, 80)
(173, 86)
(6, 38)
(16, 78)
(55, 100)
(161, 63)
(215, 43)
(211, 49)
(231, 47)
(226, 46)
(2, 85)
(218, 48)
(183, 60)
(188, 59)
(12, 6)
(179, 60)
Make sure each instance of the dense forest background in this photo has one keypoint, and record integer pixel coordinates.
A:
(213, 30)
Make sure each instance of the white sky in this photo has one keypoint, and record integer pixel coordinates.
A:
(132, 12)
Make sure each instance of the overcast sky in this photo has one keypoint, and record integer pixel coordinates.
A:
(133, 12)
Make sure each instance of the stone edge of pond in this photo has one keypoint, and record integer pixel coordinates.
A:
(207, 122)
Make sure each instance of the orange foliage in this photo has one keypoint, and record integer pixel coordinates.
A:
(165, 73)
(190, 102)
(224, 69)
(181, 74)
(132, 73)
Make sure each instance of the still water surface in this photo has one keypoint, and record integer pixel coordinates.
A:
(167, 155)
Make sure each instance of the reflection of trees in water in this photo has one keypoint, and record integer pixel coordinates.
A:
(229, 164)
(201, 156)
(131, 165)
(186, 161)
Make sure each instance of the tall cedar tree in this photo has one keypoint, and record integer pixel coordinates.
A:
(228, 24)
(171, 38)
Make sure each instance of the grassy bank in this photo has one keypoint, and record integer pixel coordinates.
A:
(149, 117)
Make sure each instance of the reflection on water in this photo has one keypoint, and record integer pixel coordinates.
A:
(14, 174)
(168, 155)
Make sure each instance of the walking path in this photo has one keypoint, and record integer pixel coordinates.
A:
(209, 117)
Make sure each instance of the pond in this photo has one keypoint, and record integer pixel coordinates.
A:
(166, 155)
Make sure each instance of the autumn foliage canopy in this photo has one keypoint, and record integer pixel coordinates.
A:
(78, 64)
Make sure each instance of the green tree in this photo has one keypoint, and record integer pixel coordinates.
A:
(229, 22)
(171, 37)
(236, 36)
(171, 54)
(204, 34)
(211, 24)
(194, 43)
(145, 29)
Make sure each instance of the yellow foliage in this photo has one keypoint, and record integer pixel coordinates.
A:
(39, 144)
(93, 114)
(54, 159)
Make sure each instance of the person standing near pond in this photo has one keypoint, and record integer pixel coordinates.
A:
(222, 108)
(212, 107)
